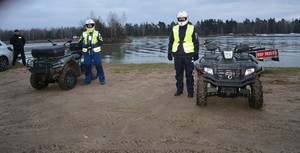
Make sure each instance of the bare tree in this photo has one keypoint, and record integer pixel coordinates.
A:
(113, 22)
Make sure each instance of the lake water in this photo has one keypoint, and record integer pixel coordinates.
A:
(154, 49)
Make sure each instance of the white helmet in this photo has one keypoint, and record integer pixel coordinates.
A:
(90, 22)
(180, 15)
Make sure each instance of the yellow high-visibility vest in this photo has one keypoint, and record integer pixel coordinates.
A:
(94, 39)
(188, 44)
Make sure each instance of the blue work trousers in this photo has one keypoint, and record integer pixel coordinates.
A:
(89, 57)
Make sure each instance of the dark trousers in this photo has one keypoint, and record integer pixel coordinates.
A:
(16, 54)
(181, 64)
(88, 58)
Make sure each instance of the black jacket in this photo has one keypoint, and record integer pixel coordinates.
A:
(18, 42)
(180, 50)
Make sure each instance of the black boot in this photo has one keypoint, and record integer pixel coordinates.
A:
(177, 93)
(190, 95)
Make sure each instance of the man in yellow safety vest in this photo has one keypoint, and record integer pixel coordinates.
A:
(91, 42)
(184, 47)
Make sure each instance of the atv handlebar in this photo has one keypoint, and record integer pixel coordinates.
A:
(54, 44)
(211, 46)
(239, 48)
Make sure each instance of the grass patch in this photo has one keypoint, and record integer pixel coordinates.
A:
(147, 67)
(282, 70)
(17, 65)
(127, 68)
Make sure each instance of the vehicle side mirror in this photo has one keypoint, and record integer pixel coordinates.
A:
(9, 48)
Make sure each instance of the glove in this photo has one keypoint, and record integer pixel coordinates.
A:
(170, 57)
(196, 57)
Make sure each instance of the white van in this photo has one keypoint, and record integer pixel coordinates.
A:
(6, 56)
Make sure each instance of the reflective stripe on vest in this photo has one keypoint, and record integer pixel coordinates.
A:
(85, 36)
(188, 44)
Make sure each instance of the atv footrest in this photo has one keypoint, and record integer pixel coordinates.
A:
(212, 92)
(244, 92)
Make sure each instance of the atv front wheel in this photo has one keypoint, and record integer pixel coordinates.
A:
(37, 82)
(201, 98)
(68, 79)
(256, 95)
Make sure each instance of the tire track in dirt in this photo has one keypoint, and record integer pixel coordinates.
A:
(135, 119)
(143, 119)
(175, 143)
(166, 144)
(76, 124)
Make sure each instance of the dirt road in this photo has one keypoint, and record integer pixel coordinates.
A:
(137, 112)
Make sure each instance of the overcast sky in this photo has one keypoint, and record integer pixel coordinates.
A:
(27, 14)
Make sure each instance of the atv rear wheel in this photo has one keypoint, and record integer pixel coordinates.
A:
(93, 69)
(201, 99)
(68, 79)
(37, 82)
(256, 95)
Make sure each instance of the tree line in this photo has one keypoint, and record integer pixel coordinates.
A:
(117, 28)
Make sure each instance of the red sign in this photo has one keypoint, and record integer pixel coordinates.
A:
(267, 53)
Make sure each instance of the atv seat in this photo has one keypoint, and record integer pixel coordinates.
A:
(210, 57)
(77, 55)
(242, 48)
(75, 50)
(211, 46)
(48, 51)
(244, 56)
(75, 47)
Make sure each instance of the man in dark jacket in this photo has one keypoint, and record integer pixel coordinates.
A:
(184, 47)
(18, 42)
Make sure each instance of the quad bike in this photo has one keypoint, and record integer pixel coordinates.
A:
(60, 64)
(229, 72)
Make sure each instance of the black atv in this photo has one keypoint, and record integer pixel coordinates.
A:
(230, 72)
(60, 64)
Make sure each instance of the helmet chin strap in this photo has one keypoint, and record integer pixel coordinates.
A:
(90, 29)
(183, 23)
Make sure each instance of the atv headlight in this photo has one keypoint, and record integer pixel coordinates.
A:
(249, 71)
(29, 63)
(209, 70)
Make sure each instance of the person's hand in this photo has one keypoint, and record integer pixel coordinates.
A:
(196, 57)
(170, 57)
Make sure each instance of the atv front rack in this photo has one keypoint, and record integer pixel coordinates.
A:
(44, 65)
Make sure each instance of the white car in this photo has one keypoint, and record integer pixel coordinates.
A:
(6, 56)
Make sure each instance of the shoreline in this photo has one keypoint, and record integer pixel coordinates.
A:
(291, 70)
